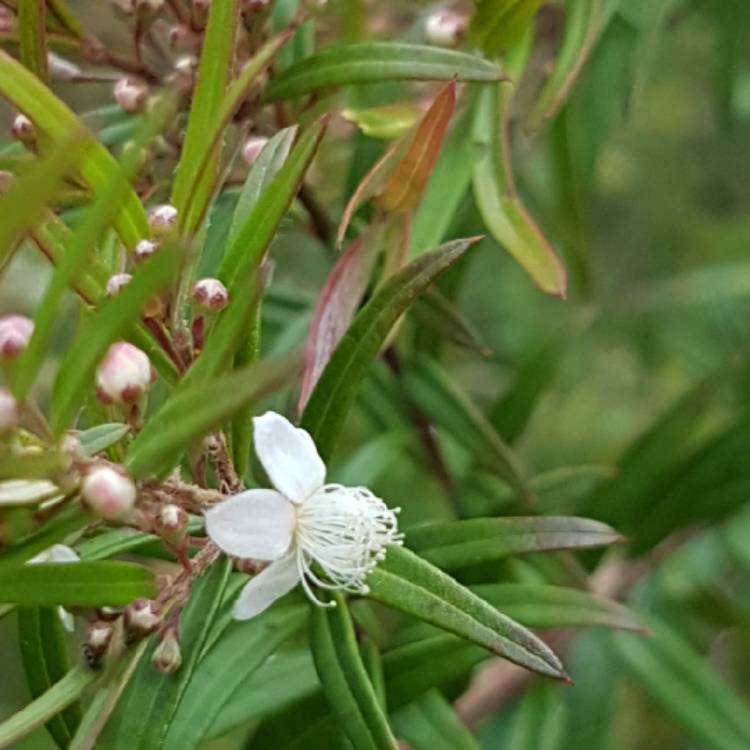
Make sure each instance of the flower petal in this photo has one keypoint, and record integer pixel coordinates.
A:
(289, 456)
(256, 524)
(264, 589)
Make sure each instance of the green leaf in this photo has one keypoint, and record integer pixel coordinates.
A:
(76, 374)
(336, 389)
(84, 584)
(430, 723)
(375, 62)
(540, 721)
(498, 24)
(687, 687)
(41, 710)
(387, 121)
(412, 585)
(33, 36)
(430, 387)
(455, 544)
(346, 685)
(194, 411)
(55, 120)
(99, 438)
(224, 671)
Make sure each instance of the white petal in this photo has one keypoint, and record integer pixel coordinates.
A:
(289, 456)
(66, 619)
(256, 524)
(61, 553)
(264, 589)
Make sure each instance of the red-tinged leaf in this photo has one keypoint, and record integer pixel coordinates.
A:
(406, 184)
(335, 310)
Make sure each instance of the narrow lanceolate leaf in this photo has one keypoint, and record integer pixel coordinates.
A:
(501, 209)
(346, 685)
(99, 438)
(687, 687)
(224, 671)
(497, 24)
(52, 117)
(339, 300)
(583, 24)
(84, 584)
(455, 544)
(33, 36)
(375, 62)
(432, 389)
(406, 184)
(68, 690)
(145, 713)
(76, 374)
(45, 661)
(192, 412)
(412, 585)
(334, 393)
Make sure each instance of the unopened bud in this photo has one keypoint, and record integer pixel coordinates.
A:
(171, 524)
(15, 332)
(124, 374)
(99, 636)
(9, 411)
(61, 69)
(109, 493)
(23, 129)
(167, 656)
(252, 148)
(131, 94)
(444, 28)
(117, 282)
(145, 249)
(162, 219)
(142, 617)
(211, 295)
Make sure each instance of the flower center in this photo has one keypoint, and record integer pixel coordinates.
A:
(345, 530)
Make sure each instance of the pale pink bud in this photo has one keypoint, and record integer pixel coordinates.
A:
(124, 374)
(211, 295)
(167, 656)
(162, 219)
(109, 492)
(9, 411)
(23, 129)
(98, 636)
(252, 148)
(444, 28)
(142, 617)
(131, 94)
(15, 332)
(171, 524)
(116, 283)
(145, 249)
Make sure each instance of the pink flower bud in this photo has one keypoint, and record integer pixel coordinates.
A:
(131, 94)
(162, 219)
(109, 492)
(23, 129)
(99, 635)
(167, 656)
(15, 332)
(252, 148)
(124, 374)
(444, 28)
(9, 411)
(145, 249)
(171, 524)
(142, 617)
(211, 295)
(116, 283)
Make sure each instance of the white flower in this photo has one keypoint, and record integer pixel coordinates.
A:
(59, 553)
(344, 531)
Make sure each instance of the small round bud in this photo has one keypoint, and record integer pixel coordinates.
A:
(162, 219)
(15, 332)
(9, 411)
(211, 295)
(142, 617)
(109, 493)
(116, 283)
(252, 148)
(98, 637)
(145, 249)
(444, 28)
(23, 129)
(171, 524)
(131, 94)
(124, 374)
(167, 656)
